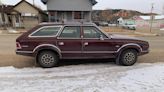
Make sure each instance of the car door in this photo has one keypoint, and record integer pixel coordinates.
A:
(70, 42)
(96, 44)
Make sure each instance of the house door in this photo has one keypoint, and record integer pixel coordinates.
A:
(64, 16)
(17, 21)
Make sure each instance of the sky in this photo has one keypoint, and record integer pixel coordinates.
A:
(139, 5)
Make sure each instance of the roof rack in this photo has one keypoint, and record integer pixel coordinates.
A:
(66, 23)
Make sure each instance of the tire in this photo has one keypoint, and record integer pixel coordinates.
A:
(47, 59)
(128, 57)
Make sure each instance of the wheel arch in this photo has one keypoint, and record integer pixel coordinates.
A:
(130, 46)
(47, 47)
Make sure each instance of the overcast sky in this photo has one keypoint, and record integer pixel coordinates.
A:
(139, 5)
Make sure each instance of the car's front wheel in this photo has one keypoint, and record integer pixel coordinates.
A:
(47, 59)
(128, 57)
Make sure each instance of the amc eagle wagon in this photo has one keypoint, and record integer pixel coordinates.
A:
(51, 42)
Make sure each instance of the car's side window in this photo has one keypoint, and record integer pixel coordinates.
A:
(47, 31)
(70, 32)
(92, 32)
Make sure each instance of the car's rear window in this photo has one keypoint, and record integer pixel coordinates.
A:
(46, 31)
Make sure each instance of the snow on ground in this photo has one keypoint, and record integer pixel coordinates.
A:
(84, 78)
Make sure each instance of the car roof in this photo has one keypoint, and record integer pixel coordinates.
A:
(67, 23)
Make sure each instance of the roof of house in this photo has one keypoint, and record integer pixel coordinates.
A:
(159, 17)
(10, 8)
(93, 2)
(7, 8)
(41, 11)
(155, 17)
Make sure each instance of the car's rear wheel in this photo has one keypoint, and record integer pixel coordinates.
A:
(128, 57)
(47, 59)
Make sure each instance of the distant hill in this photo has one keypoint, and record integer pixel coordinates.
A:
(111, 15)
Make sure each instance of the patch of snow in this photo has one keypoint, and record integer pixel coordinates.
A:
(12, 31)
(149, 79)
(84, 78)
(162, 29)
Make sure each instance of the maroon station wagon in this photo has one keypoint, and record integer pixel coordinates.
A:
(50, 42)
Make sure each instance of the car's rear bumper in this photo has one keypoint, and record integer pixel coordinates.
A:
(24, 53)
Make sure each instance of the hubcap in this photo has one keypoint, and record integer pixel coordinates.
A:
(47, 59)
(129, 57)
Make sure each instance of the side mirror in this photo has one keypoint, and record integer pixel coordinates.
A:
(101, 37)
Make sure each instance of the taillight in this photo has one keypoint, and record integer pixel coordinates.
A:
(18, 45)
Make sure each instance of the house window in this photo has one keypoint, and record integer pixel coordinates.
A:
(52, 16)
(78, 15)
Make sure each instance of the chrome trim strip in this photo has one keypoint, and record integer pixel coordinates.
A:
(30, 52)
(25, 46)
(51, 45)
(101, 52)
(129, 44)
(145, 51)
(71, 52)
(30, 36)
(94, 38)
(88, 52)
(68, 38)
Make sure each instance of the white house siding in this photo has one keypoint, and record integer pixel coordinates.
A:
(69, 5)
(63, 10)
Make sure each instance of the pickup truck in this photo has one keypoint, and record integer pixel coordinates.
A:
(129, 26)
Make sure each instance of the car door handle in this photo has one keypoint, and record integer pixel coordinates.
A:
(86, 44)
(61, 43)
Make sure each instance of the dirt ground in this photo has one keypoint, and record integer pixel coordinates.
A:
(9, 58)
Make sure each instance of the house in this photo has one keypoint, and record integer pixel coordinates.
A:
(145, 21)
(69, 10)
(6, 12)
(23, 14)
(123, 21)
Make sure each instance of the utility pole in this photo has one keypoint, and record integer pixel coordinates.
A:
(163, 9)
(151, 18)
(33, 2)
